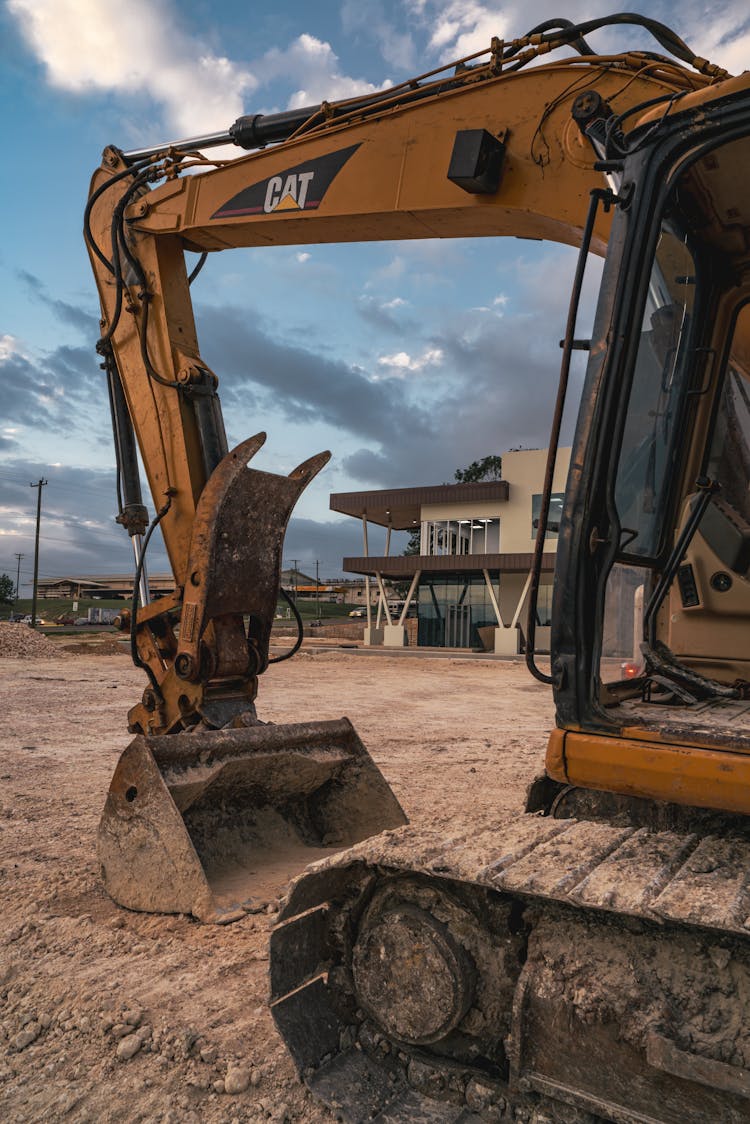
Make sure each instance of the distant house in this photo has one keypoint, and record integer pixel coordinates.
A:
(351, 591)
(111, 586)
(472, 571)
(293, 579)
(104, 586)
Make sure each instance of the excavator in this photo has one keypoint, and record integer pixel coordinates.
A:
(589, 959)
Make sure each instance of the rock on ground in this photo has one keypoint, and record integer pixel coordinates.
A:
(20, 641)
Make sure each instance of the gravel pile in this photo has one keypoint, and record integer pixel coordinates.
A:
(20, 642)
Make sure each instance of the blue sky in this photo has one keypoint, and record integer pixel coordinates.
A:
(407, 360)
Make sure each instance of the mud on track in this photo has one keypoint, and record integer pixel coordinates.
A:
(83, 983)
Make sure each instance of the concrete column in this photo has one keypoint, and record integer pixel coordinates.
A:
(507, 641)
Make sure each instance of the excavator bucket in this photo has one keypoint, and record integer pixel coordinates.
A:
(215, 823)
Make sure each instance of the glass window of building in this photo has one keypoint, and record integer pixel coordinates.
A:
(452, 609)
(553, 518)
(479, 535)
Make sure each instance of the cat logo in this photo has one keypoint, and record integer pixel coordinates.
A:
(292, 196)
(300, 188)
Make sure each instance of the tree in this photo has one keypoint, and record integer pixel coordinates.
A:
(415, 541)
(7, 588)
(488, 468)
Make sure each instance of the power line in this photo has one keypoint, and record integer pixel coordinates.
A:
(68, 486)
(104, 535)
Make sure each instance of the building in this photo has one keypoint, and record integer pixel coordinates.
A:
(351, 592)
(471, 576)
(340, 592)
(104, 586)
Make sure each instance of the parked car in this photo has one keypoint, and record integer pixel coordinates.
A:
(361, 611)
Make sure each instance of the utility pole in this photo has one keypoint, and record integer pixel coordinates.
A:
(317, 592)
(39, 485)
(18, 580)
(295, 563)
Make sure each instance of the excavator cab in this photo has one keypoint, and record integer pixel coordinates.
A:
(656, 536)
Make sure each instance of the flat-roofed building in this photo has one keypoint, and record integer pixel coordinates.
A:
(471, 576)
(104, 586)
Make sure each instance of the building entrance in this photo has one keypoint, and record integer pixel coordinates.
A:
(452, 608)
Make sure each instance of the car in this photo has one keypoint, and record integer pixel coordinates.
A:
(361, 611)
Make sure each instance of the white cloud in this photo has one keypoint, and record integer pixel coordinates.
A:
(397, 302)
(391, 271)
(88, 45)
(498, 304)
(9, 346)
(316, 71)
(725, 39)
(302, 257)
(453, 28)
(401, 363)
(461, 27)
(369, 20)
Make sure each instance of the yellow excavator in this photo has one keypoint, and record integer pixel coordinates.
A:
(589, 959)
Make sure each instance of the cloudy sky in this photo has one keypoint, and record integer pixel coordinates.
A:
(407, 360)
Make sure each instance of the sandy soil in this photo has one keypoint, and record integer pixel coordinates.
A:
(109, 1015)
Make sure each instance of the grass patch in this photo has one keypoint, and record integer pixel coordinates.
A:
(49, 609)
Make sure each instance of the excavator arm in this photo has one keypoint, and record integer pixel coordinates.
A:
(491, 149)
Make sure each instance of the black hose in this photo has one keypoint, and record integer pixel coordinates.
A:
(300, 630)
(117, 237)
(107, 365)
(119, 243)
(664, 35)
(87, 233)
(199, 266)
(616, 143)
(579, 42)
(136, 600)
(597, 195)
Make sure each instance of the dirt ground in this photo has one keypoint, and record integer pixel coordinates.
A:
(110, 1015)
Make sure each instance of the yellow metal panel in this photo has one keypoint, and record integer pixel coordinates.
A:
(681, 774)
(556, 755)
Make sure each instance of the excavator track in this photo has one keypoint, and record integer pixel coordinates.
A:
(547, 970)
